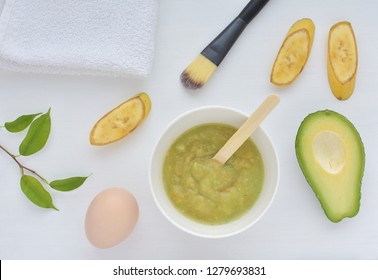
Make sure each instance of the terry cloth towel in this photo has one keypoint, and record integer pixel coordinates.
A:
(97, 37)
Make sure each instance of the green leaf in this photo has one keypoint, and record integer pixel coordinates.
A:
(69, 184)
(34, 190)
(20, 123)
(37, 135)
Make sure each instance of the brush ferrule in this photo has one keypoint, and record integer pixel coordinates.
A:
(220, 46)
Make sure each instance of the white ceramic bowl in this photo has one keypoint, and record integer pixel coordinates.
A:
(203, 115)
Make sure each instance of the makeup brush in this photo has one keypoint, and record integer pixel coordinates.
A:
(202, 68)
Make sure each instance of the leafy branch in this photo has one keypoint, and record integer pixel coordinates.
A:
(32, 185)
(22, 167)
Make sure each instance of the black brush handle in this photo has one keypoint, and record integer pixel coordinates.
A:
(252, 9)
(220, 46)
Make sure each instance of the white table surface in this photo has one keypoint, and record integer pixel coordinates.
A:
(295, 226)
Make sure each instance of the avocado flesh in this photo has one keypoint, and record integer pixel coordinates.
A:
(331, 155)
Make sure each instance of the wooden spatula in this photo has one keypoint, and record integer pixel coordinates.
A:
(246, 129)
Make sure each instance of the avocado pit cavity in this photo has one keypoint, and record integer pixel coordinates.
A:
(329, 151)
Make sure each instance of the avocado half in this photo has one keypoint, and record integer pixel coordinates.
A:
(331, 155)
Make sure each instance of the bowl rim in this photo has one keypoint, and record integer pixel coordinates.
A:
(159, 203)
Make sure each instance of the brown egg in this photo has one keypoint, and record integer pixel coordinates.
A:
(111, 217)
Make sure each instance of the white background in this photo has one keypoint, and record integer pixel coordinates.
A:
(295, 227)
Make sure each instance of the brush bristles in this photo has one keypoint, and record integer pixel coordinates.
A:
(198, 72)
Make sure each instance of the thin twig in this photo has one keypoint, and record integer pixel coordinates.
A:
(22, 167)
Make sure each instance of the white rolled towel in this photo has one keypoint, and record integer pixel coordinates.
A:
(96, 37)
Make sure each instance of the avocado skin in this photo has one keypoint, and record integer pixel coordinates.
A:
(329, 115)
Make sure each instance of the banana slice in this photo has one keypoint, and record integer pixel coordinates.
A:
(121, 121)
(342, 60)
(294, 52)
